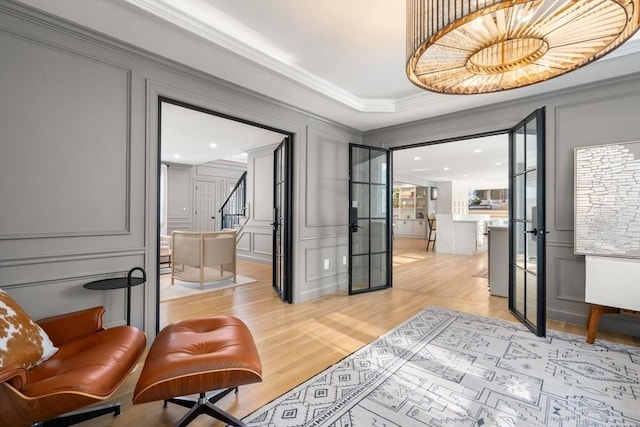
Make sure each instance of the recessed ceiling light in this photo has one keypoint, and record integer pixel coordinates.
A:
(213, 145)
(446, 168)
(477, 150)
(498, 163)
(466, 175)
(176, 156)
(416, 158)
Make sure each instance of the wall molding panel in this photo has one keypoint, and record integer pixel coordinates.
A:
(570, 278)
(315, 257)
(99, 133)
(59, 257)
(261, 196)
(326, 179)
(262, 243)
(73, 295)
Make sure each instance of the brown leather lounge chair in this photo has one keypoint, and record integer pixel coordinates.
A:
(90, 364)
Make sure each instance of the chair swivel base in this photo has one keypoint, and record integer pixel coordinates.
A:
(76, 417)
(205, 405)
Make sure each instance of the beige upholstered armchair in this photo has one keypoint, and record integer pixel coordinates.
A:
(203, 256)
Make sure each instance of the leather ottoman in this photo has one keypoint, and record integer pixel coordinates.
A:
(197, 356)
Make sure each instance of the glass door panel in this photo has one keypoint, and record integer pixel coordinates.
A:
(519, 205)
(378, 167)
(379, 271)
(531, 147)
(519, 150)
(369, 222)
(360, 166)
(519, 294)
(532, 299)
(361, 199)
(359, 278)
(527, 291)
(378, 236)
(360, 240)
(378, 201)
(519, 248)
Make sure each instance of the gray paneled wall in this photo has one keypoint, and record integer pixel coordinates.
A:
(256, 240)
(322, 188)
(78, 142)
(73, 180)
(592, 115)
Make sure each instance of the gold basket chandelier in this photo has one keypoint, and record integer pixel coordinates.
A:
(482, 46)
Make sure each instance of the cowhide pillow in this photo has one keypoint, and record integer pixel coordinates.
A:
(22, 341)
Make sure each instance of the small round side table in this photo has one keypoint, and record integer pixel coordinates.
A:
(120, 283)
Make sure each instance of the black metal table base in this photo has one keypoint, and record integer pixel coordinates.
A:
(205, 405)
(79, 416)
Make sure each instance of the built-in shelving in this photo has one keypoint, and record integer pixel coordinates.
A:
(410, 211)
(410, 202)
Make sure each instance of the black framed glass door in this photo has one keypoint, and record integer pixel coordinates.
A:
(369, 218)
(282, 219)
(527, 236)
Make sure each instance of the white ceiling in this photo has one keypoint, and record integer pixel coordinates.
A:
(193, 137)
(479, 163)
(339, 59)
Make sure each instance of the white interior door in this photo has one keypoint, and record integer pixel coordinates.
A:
(205, 205)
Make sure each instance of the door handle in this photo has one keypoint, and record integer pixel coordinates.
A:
(275, 224)
(353, 220)
(534, 231)
(354, 227)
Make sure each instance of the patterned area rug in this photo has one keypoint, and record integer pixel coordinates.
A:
(444, 368)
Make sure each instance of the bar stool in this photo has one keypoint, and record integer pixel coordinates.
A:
(432, 232)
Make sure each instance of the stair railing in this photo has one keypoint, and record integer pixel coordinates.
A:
(233, 210)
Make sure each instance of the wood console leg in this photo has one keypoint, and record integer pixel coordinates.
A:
(593, 321)
(595, 312)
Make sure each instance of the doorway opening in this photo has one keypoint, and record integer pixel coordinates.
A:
(450, 198)
(206, 161)
(522, 255)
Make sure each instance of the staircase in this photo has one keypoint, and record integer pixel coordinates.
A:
(234, 210)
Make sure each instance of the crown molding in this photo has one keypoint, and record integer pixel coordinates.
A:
(279, 62)
(170, 13)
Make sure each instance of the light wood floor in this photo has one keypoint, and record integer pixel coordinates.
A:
(297, 341)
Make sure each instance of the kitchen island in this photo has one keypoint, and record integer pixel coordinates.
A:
(462, 234)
